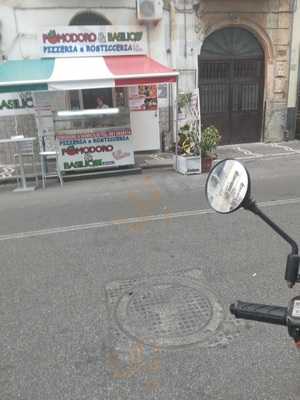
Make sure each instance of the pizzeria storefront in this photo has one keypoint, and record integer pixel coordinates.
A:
(94, 91)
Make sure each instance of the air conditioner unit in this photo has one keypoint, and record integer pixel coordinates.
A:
(149, 10)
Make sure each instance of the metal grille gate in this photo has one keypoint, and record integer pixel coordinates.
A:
(231, 97)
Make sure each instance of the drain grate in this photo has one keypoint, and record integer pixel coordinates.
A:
(168, 311)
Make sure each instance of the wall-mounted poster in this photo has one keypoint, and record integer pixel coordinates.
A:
(143, 98)
(163, 91)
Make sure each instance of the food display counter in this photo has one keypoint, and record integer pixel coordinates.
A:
(93, 139)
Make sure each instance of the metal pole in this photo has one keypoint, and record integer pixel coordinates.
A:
(23, 179)
(176, 123)
(200, 127)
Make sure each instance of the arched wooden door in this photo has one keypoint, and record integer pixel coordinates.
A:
(231, 84)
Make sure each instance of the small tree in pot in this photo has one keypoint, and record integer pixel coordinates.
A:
(210, 138)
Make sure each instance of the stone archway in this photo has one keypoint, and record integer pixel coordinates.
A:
(231, 83)
(89, 18)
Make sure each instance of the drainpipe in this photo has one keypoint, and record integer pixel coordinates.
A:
(169, 50)
(148, 39)
(176, 126)
(185, 34)
(291, 119)
(173, 92)
(173, 33)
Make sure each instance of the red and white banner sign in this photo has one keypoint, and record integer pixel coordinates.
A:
(81, 150)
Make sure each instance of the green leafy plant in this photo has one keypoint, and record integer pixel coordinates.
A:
(210, 138)
(184, 99)
(188, 143)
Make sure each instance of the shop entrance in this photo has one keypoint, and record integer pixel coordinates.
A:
(231, 85)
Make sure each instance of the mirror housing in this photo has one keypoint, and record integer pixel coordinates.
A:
(228, 186)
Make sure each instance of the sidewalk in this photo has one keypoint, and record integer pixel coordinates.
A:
(155, 159)
(239, 151)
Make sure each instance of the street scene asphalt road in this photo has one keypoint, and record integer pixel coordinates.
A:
(119, 288)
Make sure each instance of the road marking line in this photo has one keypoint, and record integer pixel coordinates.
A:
(283, 202)
(248, 152)
(284, 147)
(279, 155)
(130, 221)
(271, 156)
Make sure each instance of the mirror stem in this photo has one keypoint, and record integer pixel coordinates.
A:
(293, 260)
(251, 205)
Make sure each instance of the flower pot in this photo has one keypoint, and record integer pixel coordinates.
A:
(206, 163)
(187, 165)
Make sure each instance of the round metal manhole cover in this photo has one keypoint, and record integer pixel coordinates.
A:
(169, 314)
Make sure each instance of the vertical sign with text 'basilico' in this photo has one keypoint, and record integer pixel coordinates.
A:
(16, 104)
(83, 41)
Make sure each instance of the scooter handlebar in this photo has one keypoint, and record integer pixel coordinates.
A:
(260, 312)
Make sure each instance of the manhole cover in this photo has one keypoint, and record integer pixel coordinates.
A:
(169, 314)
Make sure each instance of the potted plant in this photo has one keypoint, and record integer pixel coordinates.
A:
(188, 157)
(210, 138)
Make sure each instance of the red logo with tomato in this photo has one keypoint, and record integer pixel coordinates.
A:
(82, 37)
(52, 37)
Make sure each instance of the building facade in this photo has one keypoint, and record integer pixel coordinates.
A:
(21, 23)
(236, 52)
(293, 120)
(245, 59)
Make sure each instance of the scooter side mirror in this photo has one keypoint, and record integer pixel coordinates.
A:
(228, 186)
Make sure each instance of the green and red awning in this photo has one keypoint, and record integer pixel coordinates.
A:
(82, 73)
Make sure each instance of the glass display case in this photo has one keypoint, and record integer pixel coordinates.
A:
(88, 121)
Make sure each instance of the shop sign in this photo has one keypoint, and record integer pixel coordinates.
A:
(16, 104)
(95, 149)
(82, 41)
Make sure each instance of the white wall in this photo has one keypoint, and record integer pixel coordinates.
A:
(69, 3)
(8, 29)
(187, 46)
(21, 21)
(20, 25)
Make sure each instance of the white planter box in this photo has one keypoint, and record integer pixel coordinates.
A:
(187, 165)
